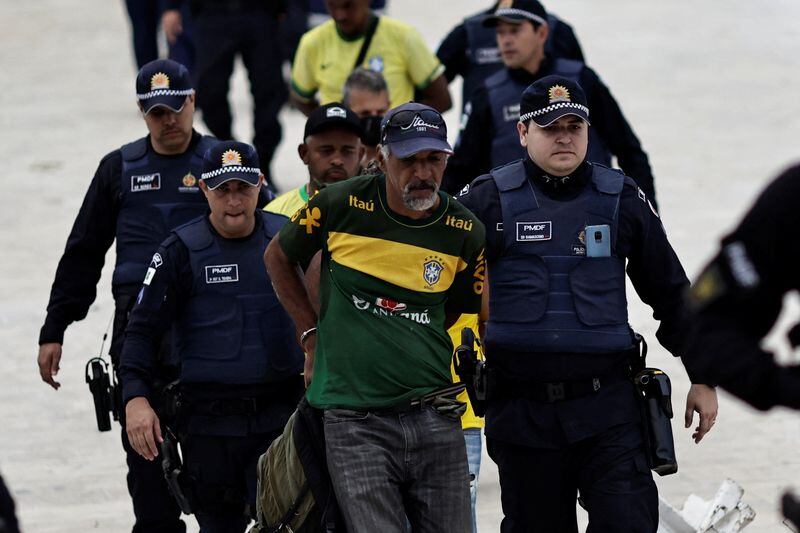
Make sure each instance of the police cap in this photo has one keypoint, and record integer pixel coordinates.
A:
(517, 12)
(230, 160)
(550, 98)
(165, 83)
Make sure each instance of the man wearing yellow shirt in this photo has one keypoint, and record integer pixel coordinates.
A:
(332, 151)
(328, 53)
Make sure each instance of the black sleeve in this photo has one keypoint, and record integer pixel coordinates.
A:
(565, 43)
(453, 53)
(165, 288)
(473, 151)
(75, 285)
(606, 115)
(739, 295)
(483, 199)
(653, 267)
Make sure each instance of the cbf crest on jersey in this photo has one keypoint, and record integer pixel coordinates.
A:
(432, 270)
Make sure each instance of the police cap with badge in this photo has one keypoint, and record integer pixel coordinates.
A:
(550, 98)
(230, 160)
(163, 83)
(517, 12)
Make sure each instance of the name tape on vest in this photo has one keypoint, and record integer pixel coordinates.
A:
(534, 231)
(222, 273)
(146, 182)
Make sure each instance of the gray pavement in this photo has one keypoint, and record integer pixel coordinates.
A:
(711, 89)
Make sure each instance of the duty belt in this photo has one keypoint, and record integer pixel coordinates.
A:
(556, 391)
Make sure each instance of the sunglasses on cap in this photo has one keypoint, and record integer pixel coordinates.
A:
(408, 118)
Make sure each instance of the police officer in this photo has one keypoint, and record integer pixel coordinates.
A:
(221, 31)
(139, 193)
(563, 416)
(739, 295)
(470, 49)
(240, 375)
(489, 138)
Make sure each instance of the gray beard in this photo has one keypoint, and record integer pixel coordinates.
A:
(420, 204)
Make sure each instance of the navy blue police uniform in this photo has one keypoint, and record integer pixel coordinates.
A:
(223, 29)
(470, 50)
(564, 417)
(240, 367)
(136, 197)
(489, 136)
(738, 297)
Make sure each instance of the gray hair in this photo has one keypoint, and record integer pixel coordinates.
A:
(363, 79)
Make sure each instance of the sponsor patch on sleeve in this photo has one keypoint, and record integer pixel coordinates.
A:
(534, 231)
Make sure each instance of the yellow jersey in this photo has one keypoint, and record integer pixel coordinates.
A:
(468, 419)
(325, 58)
(288, 203)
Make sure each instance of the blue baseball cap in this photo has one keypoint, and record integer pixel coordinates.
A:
(164, 83)
(411, 128)
(230, 160)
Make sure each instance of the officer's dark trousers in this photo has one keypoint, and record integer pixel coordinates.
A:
(219, 36)
(153, 505)
(144, 16)
(224, 470)
(539, 486)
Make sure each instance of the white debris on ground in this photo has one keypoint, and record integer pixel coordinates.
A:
(725, 513)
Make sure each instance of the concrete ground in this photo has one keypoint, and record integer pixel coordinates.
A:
(711, 90)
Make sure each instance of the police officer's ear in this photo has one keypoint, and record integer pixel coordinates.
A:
(522, 129)
(542, 32)
(203, 187)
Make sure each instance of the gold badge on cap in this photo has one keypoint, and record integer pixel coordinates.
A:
(558, 93)
(189, 180)
(231, 157)
(159, 81)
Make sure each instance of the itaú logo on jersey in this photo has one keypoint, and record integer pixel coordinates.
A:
(418, 123)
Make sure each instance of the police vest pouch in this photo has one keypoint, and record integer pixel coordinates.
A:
(598, 290)
(655, 393)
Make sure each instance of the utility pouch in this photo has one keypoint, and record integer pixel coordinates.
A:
(103, 388)
(177, 480)
(472, 371)
(655, 392)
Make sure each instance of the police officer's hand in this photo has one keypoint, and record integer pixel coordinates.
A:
(143, 427)
(172, 24)
(703, 399)
(49, 359)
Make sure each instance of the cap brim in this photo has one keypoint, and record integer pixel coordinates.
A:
(173, 103)
(549, 118)
(409, 147)
(251, 178)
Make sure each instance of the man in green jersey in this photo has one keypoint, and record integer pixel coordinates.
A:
(331, 149)
(400, 262)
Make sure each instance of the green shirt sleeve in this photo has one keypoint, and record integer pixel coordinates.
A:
(304, 234)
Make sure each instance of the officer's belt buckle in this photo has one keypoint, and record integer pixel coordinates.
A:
(555, 391)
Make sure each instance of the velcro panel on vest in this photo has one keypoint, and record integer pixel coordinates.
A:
(195, 235)
(134, 150)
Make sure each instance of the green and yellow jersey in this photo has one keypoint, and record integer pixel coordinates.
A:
(289, 202)
(325, 58)
(386, 283)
